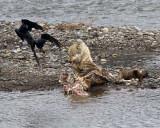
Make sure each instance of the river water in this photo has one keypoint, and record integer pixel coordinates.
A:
(142, 13)
(51, 109)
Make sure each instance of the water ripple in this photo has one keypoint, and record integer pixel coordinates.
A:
(141, 13)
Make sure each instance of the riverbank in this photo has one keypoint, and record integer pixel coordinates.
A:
(19, 70)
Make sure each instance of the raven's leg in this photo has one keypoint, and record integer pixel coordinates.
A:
(31, 42)
(34, 52)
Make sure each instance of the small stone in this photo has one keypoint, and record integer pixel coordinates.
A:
(137, 28)
(103, 60)
(150, 33)
(154, 44)
(52, 27)
(25, 81)
(89, 28)
(150, 38)
(140, 33)
(5, 44)
(24, 48)
(42, 24)
(17, 50)
(94, 34)
(6, 55)
(140, 60)
(105, 30)
(120, 33)
(147, 41)
(114, 55)
(14, 82)
(21, 83)
(130, 90)
(20, 57)
(3, 79)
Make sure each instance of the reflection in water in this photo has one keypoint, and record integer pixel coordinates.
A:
(142, 13)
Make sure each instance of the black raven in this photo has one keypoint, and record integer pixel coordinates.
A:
(24, 33)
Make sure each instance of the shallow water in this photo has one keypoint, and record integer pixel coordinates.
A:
(50, 109)
(141, 13)
(103, 109)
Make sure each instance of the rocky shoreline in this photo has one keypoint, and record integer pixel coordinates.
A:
(19, 70)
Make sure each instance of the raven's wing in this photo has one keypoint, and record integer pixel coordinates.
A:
(51, 39)
(31, 24)
(19, 34)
